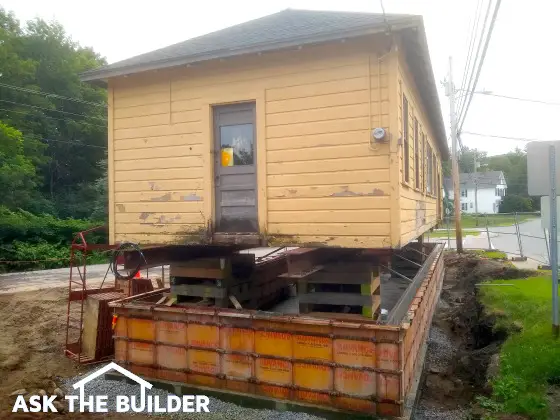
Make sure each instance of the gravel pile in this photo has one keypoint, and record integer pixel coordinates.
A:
(218, 409)
(422, 413)
(440, 350)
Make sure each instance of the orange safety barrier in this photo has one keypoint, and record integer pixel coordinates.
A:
(351, 366)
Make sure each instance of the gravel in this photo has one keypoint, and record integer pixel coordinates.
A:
(440, 350)
(423, 413)
(218, 409)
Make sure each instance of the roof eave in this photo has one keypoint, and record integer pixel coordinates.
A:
(104, 75)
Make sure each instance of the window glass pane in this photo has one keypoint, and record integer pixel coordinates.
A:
(237, 144)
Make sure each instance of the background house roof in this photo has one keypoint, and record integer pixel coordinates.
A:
(484, 180)
(290, 28)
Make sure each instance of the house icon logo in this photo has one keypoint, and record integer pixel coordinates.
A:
(143, 403)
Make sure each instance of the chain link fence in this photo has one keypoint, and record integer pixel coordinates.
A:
(518, 235)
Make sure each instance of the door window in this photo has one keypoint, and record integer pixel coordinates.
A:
(236, 144)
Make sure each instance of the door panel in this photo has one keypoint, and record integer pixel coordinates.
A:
(235, 168)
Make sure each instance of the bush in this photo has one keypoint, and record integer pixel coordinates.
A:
(516, 203)
(28, 237)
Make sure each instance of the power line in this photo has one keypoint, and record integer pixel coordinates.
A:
(52, 95)
(54, 118)
(29, 137)
(505, 137)
(47, 109)
(476, 61)
(488, 37)
(474, 29)
(518, 99)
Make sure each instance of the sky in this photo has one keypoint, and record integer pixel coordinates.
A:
(522, 59)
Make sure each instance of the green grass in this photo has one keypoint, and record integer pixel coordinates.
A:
(443, 233)
(530, 357)
(469, 220)
(493, 255)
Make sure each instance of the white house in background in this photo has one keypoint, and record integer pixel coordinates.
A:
(487, 187)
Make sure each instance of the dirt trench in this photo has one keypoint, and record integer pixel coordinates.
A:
(462, 340)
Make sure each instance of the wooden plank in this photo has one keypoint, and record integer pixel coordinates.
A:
(340, 190)
(158, 130)
(328, 165)
(197, 272)
(342, 317)
(160, 218)
(319, 114)
(199, 290)
(347, 229)
(369, 176)
(301, 274)
(111, 162)
(159, 141)
(317, 127)
(186, 116)
(178, 184)
(338, 278)
(331, 203)
(150, 196)
(185, 104)
(159, 163)
(319, 88)
(143, 99)
(160, 229)
(330, 216)
(319, 152)
(142, 110)
(321, 101)
(318, 140)
(145, 121)
(159, 152)
(160, 207)
(326, 298)
(140, 87)
(349, 241)
(154, 175)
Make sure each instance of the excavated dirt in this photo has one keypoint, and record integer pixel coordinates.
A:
(33, 331)
(462, 339)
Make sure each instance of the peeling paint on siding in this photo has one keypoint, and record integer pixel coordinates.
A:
(420, 213)
(145, 215)
(120, 207)
(164, 197)
(376, 192)
(153, 186)
(191, 197)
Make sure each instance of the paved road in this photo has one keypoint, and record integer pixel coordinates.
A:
(45, 279)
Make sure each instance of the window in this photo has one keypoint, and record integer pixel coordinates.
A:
(424, 161)
(471, 205)
(429, 167)
(236, 142)
(434, 172)
(406, 150)
(464, 193)
(416, 155)
(500, 192)
(464, 206)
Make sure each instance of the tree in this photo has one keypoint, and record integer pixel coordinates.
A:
(64, 139)
(18, 179)
(515, 203)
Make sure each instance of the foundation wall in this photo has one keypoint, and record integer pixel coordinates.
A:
(356, 365)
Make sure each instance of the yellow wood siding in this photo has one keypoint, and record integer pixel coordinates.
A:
(320, 179)
(418, 209)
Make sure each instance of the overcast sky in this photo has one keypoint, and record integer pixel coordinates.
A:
(522, 61)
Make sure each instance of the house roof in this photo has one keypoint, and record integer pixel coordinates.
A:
(291, 28)
(488, 179)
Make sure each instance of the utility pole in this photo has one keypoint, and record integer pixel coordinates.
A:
(475, 188)
(454, 163)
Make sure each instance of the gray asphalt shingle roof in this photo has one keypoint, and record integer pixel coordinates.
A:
(488, 179)
(290, 28)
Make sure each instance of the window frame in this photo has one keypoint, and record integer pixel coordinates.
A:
(406, 145)
(416, 155)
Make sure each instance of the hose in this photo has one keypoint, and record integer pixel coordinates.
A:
(127, 246)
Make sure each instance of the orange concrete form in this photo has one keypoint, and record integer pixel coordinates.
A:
(353, 365)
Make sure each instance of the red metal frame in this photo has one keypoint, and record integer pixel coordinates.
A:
(78, 292)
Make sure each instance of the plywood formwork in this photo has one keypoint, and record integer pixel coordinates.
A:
(351, 365)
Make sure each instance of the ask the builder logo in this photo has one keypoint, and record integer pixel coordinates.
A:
(123, 403)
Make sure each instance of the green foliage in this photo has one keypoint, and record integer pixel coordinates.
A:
(530, 357)
(63, 140)
(28, 237)
(515, 203)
